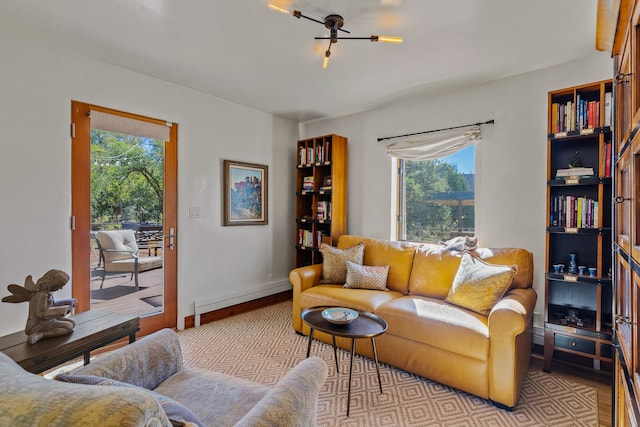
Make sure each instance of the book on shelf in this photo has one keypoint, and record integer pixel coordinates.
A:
(580, 171)
(323, 209)
(607, 108)
(307, 183)
(607, 159)
(302, 155)
(322, 237)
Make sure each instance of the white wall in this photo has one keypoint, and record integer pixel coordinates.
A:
(37, 85)
(510, 160)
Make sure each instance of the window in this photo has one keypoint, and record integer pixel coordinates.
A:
(436, 197)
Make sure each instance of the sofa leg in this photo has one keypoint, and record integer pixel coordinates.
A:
(502, 406)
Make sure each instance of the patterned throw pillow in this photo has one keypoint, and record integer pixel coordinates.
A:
(178, 414)
(478, 286)
(367, 277)
(334, 267)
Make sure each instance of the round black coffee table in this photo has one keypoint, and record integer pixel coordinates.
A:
(367, 325)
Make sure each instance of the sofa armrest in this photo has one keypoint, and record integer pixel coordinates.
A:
(293, 401)
(27, 399)
(144, 363)
(510, 345)
(302, 278)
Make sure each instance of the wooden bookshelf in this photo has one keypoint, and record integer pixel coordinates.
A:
(578, 295)
(321, 195)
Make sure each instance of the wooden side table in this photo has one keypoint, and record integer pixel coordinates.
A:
(94, 329)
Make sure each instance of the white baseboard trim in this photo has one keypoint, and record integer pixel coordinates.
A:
(205, 305)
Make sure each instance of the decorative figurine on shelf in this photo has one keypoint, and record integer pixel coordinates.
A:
(46, 315)
(575, 161)
(573, 264)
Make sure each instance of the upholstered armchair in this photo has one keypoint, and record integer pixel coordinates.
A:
(119, 254)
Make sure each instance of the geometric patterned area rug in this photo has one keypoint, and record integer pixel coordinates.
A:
(262, 346)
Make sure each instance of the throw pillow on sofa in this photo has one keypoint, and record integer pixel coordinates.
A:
(178, 414)
(367, 276)
(334, 262)
(478, 285)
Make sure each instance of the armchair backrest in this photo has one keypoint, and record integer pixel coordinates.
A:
(118, 244)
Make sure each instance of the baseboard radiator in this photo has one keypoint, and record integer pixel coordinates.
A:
(205, 305)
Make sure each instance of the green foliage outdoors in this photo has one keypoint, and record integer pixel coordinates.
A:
(427, 220)
(126, 178)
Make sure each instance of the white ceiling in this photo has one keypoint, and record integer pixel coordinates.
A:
(244, 52)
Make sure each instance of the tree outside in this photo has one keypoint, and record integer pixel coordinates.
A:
(438, 201)
(126, 179)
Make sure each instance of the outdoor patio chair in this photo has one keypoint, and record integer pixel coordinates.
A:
(119, 251)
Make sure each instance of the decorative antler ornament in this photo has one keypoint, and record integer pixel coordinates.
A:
(46, 315)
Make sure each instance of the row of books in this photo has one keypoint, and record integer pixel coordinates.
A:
(579, 115)
(574, 212)
(305, 238)
(320, 153)
(324, 210)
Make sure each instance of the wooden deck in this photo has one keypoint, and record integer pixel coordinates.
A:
(118, 293)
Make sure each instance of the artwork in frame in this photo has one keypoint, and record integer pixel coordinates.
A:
(245, 193)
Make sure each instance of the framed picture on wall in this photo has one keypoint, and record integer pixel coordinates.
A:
(245, 193)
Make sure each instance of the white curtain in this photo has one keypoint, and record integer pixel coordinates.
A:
(433, 145)
(129, 126)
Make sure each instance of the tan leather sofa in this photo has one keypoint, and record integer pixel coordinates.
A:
(487, 356)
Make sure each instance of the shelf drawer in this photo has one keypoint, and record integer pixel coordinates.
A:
(576, 344)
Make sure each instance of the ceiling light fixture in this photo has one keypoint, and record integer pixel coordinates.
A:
(334, 23)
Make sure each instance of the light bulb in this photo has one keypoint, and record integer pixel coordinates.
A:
(386, 39)
(278, 8)
(325, 62)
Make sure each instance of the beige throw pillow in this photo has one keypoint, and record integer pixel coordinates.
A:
(367, 277)
(478, 286)
(334, 262)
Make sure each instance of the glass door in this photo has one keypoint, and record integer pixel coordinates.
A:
(124, 195)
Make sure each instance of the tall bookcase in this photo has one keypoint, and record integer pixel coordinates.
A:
(321, 195)
(578, 285)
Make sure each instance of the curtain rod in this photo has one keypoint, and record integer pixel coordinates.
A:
(488, 122)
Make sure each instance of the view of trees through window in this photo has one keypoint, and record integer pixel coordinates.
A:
(126, 178)
(437, 198)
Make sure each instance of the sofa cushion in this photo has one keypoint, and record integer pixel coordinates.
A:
(479, 285)
(511, 256)
(178, 414)
(367, 277)
(397, 255)
(334, 267)
(433, 271)
(216, 398)
(436, 323)
(338, 296)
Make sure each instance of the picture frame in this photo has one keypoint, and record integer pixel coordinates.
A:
(245, 193)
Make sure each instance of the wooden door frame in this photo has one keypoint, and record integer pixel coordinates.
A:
(81, 214)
